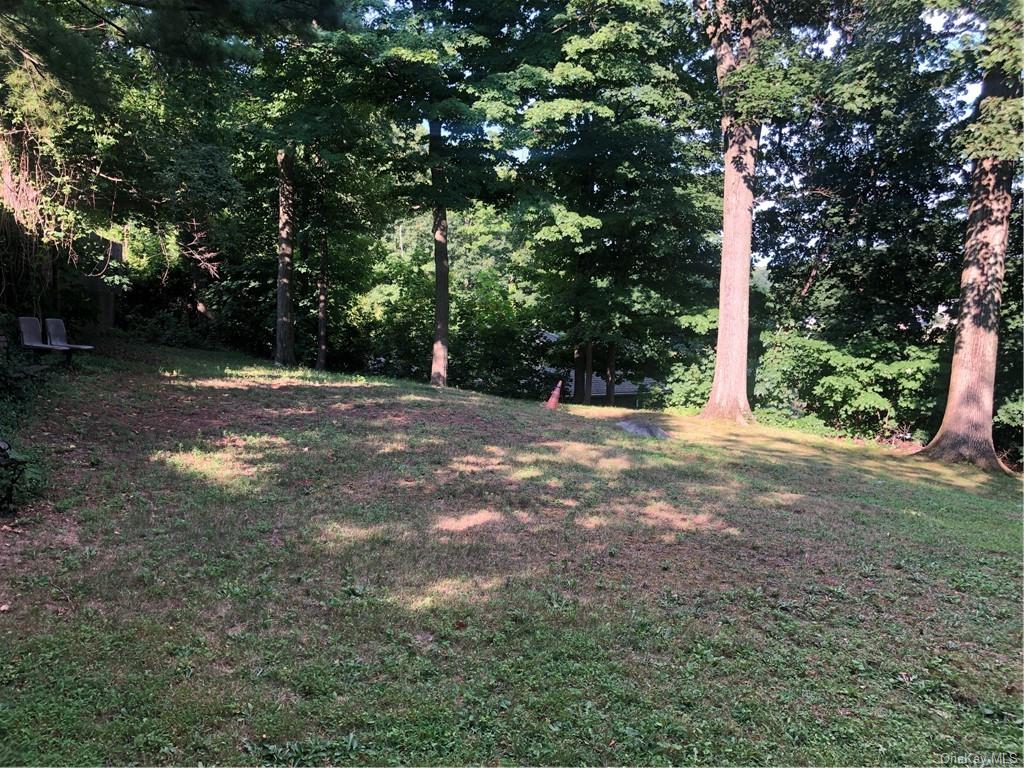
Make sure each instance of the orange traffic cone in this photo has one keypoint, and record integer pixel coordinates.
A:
(556, 393)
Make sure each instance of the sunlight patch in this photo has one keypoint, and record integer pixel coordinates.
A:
(400, 445)
(336, 534)
(780, 499)
(659, 513)
(473, 464)
(456, 523)
(236, 462)
(584, 454)
(462, 589)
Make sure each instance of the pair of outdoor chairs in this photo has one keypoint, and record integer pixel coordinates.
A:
(56, 335)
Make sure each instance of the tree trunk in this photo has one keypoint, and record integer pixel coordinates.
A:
(728, 399)
(579, 361)
(284, 348)
(588, 375)
(609, 373)
(966, 431)
(578, 355)
(442, 299)
(321, 308)
(439, 358)
(734, 38)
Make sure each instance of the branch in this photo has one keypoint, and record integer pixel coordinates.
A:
(115, 26)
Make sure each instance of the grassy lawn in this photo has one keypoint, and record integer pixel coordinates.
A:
(233, 564)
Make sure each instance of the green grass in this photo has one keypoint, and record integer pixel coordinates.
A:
(234, 564)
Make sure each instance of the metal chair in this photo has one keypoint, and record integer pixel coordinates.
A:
(58, 335)
(32, 336)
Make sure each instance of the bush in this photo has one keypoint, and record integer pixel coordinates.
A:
(1008, 426)
(808, 423)
(688, 383)
(850, 391)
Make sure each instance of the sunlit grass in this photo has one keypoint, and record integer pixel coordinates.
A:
(236, 564)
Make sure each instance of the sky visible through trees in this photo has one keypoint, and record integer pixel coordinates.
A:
(800, 213)
(298, 500)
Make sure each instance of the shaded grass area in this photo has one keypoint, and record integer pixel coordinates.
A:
(235, 564)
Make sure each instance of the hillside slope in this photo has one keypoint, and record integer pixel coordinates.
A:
(236, 564)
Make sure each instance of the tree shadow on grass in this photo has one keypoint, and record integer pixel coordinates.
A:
(421, 489)
(831, 456)
(339, 556)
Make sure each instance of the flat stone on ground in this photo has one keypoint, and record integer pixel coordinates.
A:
(642, 429)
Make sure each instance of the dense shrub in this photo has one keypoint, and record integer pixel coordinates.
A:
(883, 394)
(689, 381)
(1008, 428)
(496, 343)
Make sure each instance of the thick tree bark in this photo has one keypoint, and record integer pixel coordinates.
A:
(442, 299)
(609, 375)
(728, 398)
(733, 40)
(321, 308)
(284, 347)
(966, 431)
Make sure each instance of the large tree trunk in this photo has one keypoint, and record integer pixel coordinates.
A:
(734, 39)
(728, 399)
(609, 375)
(284, 347)
(442, 299)
(321, 308)
(966, 431)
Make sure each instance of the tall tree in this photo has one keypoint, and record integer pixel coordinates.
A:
(442, 293)
(734, 35)
(431, 61)
(965, 434)
(284, 338)
(858, 220)
(613, 195)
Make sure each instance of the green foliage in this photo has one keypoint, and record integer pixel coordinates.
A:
(780, 87)
(165, 327)
(807, 423)
(1008, 426)
(689, 383)
(613, 192)
(855, 394)
(496, 344)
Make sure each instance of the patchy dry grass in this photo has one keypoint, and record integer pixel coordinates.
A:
(235, 564)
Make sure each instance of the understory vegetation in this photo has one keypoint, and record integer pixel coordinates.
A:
(306, 311)
(237, 564)
(498, 195)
